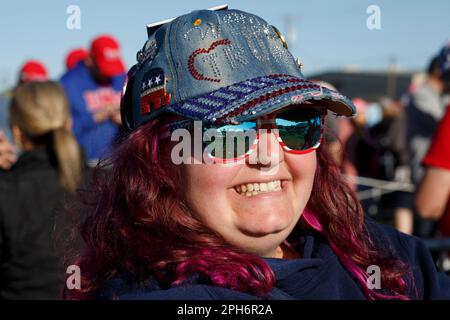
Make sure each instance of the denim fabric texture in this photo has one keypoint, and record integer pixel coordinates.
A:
(223, 66)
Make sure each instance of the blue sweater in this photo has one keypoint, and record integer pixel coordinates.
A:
(86, 97)
(317, 275)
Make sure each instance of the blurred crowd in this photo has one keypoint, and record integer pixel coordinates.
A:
(51, 134)
(390, 149)
(395, 154)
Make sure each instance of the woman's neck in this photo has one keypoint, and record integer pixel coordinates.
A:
(285, 251)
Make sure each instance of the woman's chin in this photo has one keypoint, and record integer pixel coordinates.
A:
(267, 222)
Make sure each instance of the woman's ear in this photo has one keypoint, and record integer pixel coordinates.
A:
(17, 135)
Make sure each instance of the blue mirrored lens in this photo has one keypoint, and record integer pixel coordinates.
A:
(230, 141)
(299, 130)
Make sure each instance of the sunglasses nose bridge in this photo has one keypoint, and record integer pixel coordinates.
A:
(267, 150)
(266, 123)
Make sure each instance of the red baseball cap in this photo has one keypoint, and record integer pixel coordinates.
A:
(75, 56)
(33, 70)
(105, 51)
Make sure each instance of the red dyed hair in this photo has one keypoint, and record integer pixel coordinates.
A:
(140, 225)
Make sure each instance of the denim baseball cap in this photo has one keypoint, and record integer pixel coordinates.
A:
(224, 66)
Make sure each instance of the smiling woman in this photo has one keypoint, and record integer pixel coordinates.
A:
(271, 220)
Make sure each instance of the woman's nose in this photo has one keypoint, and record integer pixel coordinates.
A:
(268, 151)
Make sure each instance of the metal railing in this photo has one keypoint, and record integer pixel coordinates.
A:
(378, 187)
(439, 246)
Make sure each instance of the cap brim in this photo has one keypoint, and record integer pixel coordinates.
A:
(259, 96)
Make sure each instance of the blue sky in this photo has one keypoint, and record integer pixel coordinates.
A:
(330, 35)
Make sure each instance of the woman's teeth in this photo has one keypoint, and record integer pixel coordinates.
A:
(252, 189)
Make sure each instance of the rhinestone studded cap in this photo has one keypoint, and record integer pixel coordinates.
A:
(220, 66)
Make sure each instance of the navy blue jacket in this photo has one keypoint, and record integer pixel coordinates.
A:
(317, 275)
(30, 197)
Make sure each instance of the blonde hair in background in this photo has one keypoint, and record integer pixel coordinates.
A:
(40, 109)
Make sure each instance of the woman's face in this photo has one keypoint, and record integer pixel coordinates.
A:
(255, 221)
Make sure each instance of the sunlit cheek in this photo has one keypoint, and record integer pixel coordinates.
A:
(301, 164)
(208, 184)
(302, 168)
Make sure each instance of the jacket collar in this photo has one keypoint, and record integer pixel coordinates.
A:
(285, 267)
(35, 157)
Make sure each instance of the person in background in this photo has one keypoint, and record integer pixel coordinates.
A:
(32, 191)
(93, 88)
(353, 133)
(433, 194)
(75, 56)
(31, 70)
(424, 109)
(392, 165)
